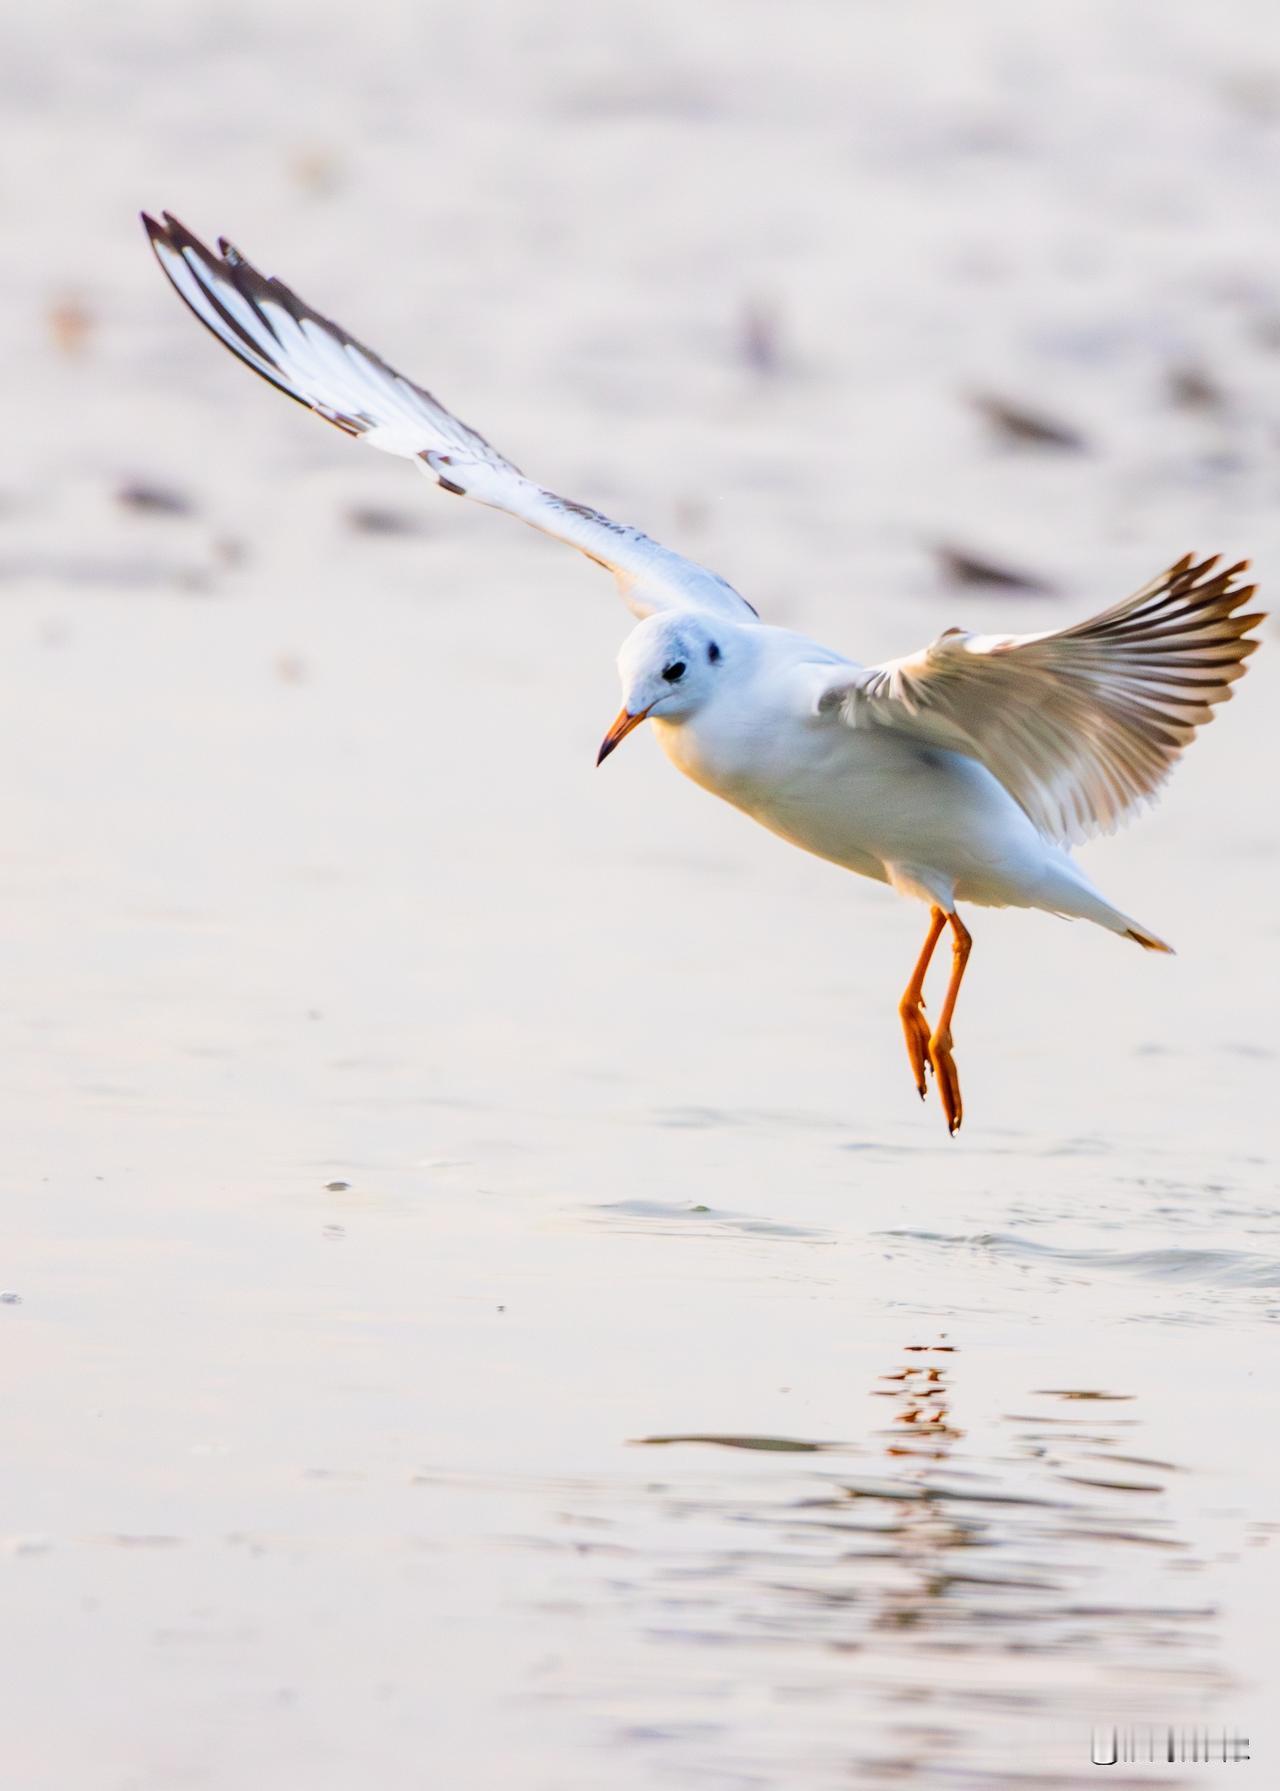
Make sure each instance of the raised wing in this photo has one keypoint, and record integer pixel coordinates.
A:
(1084, 724)
(318, 363)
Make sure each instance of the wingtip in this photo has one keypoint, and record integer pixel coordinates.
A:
(178, 236)
(166, 229)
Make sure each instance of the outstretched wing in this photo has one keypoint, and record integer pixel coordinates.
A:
(1084, 724)
(319, 364)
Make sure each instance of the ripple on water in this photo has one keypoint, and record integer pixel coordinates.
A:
(1202, 1267)
(1029, 1568)
(684, 1219)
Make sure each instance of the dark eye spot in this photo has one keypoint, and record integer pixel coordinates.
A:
(674, 673)
(713, 652)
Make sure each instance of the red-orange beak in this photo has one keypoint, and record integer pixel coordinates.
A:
(622, 726)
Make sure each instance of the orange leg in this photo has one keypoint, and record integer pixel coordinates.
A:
(914, 1025)
(940, 1044)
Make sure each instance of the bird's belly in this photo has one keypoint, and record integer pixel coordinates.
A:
(805, 786)
(867, 800)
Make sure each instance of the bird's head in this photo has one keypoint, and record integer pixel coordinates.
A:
(670, 666)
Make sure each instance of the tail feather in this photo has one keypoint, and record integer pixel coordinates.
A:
(1147, 941)
(1069, 892)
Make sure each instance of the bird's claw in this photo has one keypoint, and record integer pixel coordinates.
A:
(948, 1080)
(915, 1029)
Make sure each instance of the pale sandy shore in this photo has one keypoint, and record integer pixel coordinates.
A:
(404, 1120)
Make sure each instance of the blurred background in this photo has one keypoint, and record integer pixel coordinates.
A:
(405, 1122)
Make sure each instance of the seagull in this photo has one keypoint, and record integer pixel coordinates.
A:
(961, 773)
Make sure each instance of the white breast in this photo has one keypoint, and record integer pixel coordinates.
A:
(867, 799)
(818, 786)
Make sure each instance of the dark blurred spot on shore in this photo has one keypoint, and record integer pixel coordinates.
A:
(1023, 427)
(379, 519)
(153, 500)
(315, 170)
(960, 567)
(760, 337)
(1192, 387)
(70, 323)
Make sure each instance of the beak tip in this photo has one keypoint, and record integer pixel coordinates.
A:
(622, 726)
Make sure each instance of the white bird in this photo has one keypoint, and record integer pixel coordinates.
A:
(961, 773)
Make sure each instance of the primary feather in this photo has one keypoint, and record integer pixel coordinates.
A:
(1081, 724)
(315, 361)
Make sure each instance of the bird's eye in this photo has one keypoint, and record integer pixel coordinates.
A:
(674, 673)
(713, 652)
